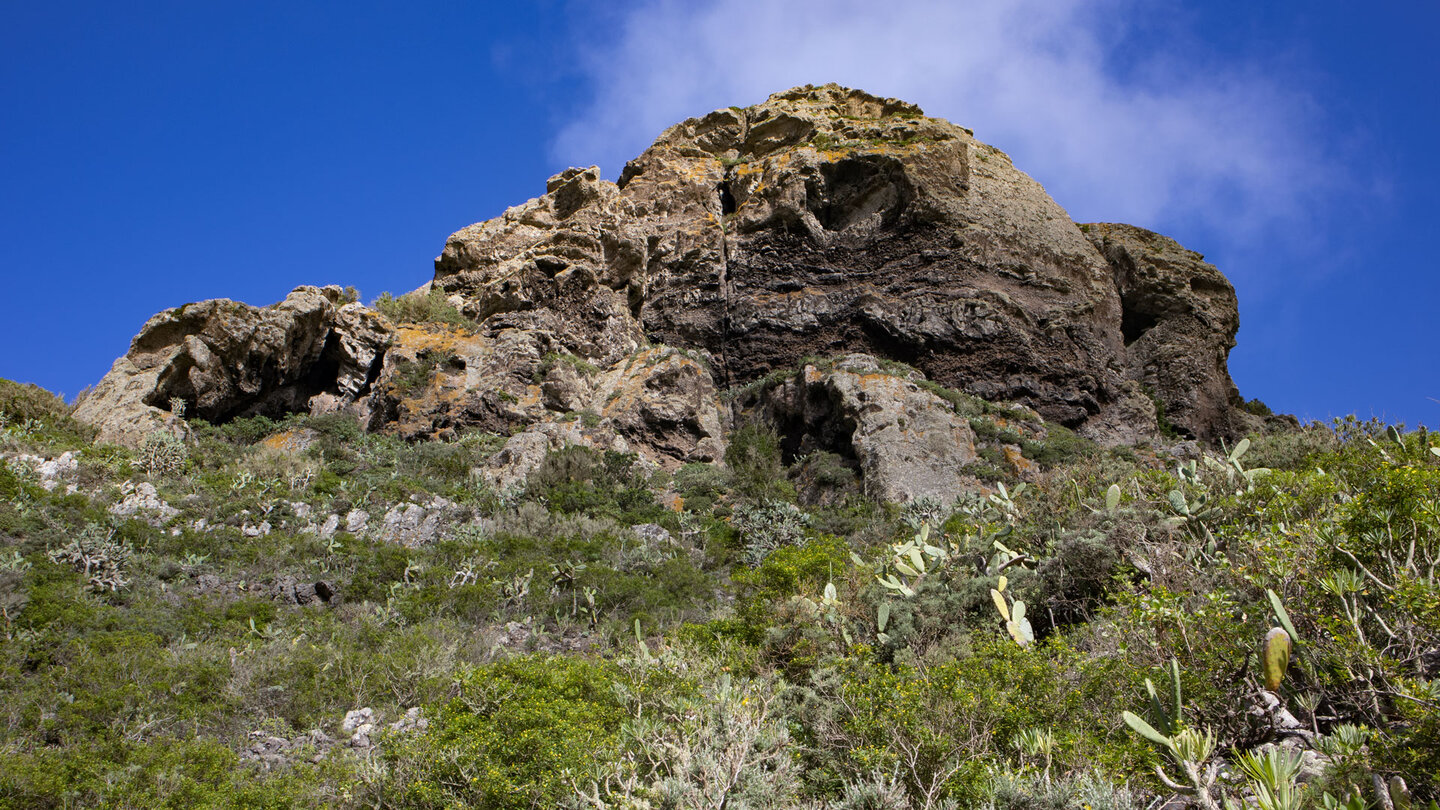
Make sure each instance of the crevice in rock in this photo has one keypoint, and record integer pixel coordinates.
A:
(373, 373)
(324, 374)
(275, 393)
(726, 287)
(1135, 320)
(819, 427)
(856, 190)
(727, 197)
(884, 343)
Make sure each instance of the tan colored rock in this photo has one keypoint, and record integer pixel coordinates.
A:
(437, 378)
(665, 404)
(507, 470)
(225, 359)
(857, 224)
(820, 223)
(1022, 467)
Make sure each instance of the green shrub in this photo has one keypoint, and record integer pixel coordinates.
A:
(413, 375)
(415, 307)
(514, 734)
(767, 526)
(29, 413)
(700, 485)
(1060, 446)
(579, 480)
(787, 570)
(753, 456)
(175, 773)
(21, 402)
(553, 359)
(244, 431)
(1074, 582)
(1256, 407)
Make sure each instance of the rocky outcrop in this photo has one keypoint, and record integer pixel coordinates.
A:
(905, 442)
(824, 222)
(664, 401)
(821, 222)
(1178, 319)
(660, 403)
(224, 359)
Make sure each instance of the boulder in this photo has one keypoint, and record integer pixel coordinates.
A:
(221, 359)
(905, 442)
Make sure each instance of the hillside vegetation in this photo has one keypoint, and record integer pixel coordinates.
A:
(297, 613)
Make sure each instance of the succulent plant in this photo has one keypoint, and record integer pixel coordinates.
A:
(1275, 657)
(1014, 615)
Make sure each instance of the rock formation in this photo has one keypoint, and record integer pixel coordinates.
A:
(823, 223)
(1179, 324)
(907, 442)
(224, 359)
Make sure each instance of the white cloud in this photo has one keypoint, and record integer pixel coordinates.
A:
(1120, 122)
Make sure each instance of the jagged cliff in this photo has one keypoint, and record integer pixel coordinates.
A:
(823, 223)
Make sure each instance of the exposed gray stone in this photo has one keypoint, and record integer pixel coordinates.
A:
(905, 441)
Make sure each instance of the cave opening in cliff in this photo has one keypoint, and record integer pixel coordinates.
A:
(816, 440)
(273, 393)
(856, 190)
(727, 197)
(1135, 321)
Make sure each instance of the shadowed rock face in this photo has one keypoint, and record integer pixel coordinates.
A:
(1179, 318)
(824, 222)
(906, 442)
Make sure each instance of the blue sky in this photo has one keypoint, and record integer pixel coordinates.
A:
(171, 152)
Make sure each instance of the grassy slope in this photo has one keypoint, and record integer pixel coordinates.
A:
(762, 670)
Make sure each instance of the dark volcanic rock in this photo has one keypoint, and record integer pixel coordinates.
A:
(1178, 319)
(822, 222)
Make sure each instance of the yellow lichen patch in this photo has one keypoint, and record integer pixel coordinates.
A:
(288, 441)
(437, 338)
(627, 382)
(1016, 460)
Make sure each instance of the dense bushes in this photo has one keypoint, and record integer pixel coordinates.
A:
(611, 634)
(30, 414)
(520, 733)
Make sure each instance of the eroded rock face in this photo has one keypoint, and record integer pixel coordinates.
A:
(824, 222)
(821, 222)
(905, 441)
(225, 359)
(666, 403)
(1179, 318)
(659, 403)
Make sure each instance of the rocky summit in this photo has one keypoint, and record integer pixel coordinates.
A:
(821, 462)
(657, 313)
